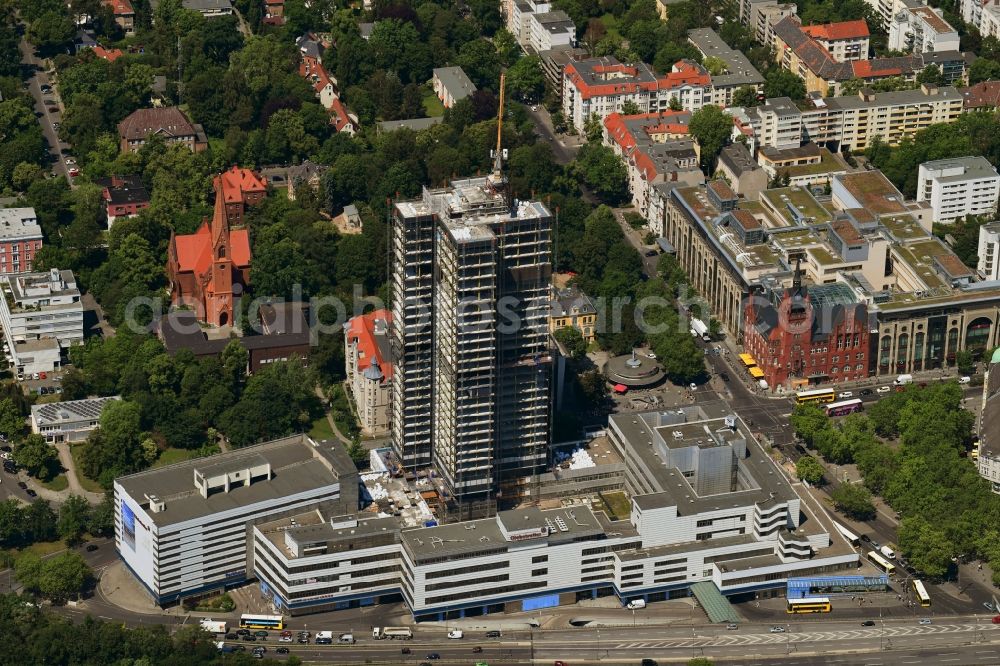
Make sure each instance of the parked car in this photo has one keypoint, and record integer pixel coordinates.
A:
(477, 650)
(883, 389)
(303, 639)
(74, 172)
(22, 485)
(282, 650)
(493, 634)
(965, 380)
(405, 650)
(70, 161)
(988, 606)
(996, 619)
(651, 253)
(232, 637)
(31, 493)
(260, 634)
(868, 623)
(46, 88)
(866, 392)
(91, 547)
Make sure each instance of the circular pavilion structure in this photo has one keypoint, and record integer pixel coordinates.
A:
(633, 371)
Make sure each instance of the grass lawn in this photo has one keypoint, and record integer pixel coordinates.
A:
(321, 429)
(88, 484)
(432, 105)
(57, 484)
(43, 548)
(617, 504)
(171, 456)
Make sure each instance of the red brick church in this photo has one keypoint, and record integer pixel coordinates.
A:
(204, 267)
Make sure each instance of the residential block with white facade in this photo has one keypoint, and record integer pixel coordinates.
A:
(959, 187)
(919, 29)
(989, 251)
(41, 315)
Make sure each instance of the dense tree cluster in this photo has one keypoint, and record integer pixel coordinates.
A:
(910, 448)
(180, 401)
(47, 638)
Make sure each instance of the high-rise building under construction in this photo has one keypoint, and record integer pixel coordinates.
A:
(470, 276)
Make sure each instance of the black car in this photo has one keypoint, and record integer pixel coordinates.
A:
(22, 485)
(725, 376)
(651, 253)
(493, 634)
(303, 639)
(282, 650)
(232, 637)
(868, 623)
(433, 656)
(649, 662)
(31, 493)
(243, 632)
(866, 392)
(249, 637)
(7, 449)
(91, 547)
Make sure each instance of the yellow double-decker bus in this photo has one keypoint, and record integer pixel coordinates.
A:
(815, 396)
(808, 605)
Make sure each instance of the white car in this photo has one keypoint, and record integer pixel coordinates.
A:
(456, 633)
(777, 630)
(883, 389)
(925, 620)
(70, 161)
(845, 394)
(651, 355)
(965, 380)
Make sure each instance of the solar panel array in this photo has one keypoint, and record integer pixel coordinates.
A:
(89, 409)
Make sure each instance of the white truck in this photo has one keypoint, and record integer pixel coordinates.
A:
(699, 329)
(888, 552)
(903, 380)
(213, 627)
(396, 633)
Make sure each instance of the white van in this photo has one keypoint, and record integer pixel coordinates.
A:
(965, 380)
(346, 639)
(635, 604)
(455, 633)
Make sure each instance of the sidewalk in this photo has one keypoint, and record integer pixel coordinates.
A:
(118, 588)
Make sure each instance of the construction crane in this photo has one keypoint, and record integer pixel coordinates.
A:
(497, 180)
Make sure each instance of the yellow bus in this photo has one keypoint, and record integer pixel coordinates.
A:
(921, 592)
(808, 605)
(815, 395)
(882, 563)
(248, 621)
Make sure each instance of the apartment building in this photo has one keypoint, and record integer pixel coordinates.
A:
(655, 148)
(466, 379)
(739, 72)
(20, 239)
(517, 14)
(451, 85)
(919, 29)
(983, 14)
(884, 10)
(989, 251)
(853, 121)
(69, 420)
(764, 15)
(844, 41)
(989, 426)
(41, 315)
(958, 187)
(550, 30)
(707, 508)
(124, 15)
(802, 54)
(167, 122)
(601, 86)
(743, 174)
(182, 529)
(369, 368)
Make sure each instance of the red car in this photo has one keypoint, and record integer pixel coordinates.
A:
(996, 619)
(74, 172)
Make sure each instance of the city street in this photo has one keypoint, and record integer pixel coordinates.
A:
(37, 79)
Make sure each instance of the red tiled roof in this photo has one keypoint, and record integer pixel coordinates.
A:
(194, 251)
(362, 330)
(108, 54)
(864, 69)
(169, 120)
(339, 117)
(310, 67)
(984, 94)
(120, 7)
(237, 181)
(834, 31)
(685, 74)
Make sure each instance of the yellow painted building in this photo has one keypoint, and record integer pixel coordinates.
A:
(572, 308)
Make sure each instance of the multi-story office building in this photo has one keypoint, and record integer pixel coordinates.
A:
(989, 425)
(470, 281)
(989, 251)
(958, 187)
(739, 72)
(918, 29)
(41, 314)
(550, 30)
(708, 507)
(20, 239)
(926, 304)
(601, 86)
(369, 368)
(182, 529)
